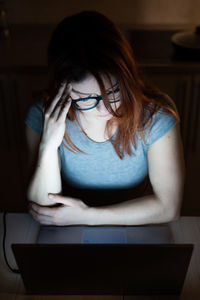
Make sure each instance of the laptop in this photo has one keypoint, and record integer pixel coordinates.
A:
(103, 260)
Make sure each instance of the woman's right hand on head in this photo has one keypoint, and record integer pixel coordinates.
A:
(55, 118)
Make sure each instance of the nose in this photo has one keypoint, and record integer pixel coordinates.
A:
(101, 107)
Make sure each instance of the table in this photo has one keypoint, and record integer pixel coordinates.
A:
(22, 228)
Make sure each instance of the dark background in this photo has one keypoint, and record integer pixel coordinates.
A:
(25, 29)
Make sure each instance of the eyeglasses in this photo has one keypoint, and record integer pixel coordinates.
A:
(91, 102)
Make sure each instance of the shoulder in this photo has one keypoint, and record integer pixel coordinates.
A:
(160, 123)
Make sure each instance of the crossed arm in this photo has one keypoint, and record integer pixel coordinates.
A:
(167, 175)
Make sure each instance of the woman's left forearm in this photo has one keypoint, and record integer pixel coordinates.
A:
(139, 211)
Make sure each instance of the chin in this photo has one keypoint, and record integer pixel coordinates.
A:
(104, 116)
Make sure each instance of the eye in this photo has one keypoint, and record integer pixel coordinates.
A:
(116, 90)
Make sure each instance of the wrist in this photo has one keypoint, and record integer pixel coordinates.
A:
(95, 216)
(43, 148)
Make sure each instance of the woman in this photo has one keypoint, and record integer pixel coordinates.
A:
(100, 132)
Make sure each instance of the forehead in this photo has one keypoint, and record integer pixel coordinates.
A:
(90, 85)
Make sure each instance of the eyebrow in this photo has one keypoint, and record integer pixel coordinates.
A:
(93, 93)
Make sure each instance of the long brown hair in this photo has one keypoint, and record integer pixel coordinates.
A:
(90, 43)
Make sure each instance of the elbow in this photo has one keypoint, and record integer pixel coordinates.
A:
(41, 199)
(30, 196)
(35, 196)
(176, 210)
(170, 209)
(172, 215)
(31, 199)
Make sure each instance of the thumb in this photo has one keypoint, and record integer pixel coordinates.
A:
(60, 199)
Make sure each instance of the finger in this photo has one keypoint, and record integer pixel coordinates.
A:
(64, 111)
(49, 99)
(64, 200)
(56, 99)
(61, 104)
(44, 211)
(41, 218)
(47, 223)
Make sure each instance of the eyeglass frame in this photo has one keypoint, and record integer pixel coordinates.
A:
(98, 98)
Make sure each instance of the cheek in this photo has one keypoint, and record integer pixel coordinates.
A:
(89, 113)
(115, 106)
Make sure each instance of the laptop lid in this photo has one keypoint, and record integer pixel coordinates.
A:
(115, 269)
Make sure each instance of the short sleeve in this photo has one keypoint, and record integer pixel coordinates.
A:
(161, 124)
(34, 116)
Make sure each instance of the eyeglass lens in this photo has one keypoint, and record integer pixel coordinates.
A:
(93, 101)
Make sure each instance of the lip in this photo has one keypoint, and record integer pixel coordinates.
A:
(103, 116)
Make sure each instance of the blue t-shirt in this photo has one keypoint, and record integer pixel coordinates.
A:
(100, 169)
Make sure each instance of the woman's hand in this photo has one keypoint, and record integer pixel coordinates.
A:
(55, 117)
(71, 212)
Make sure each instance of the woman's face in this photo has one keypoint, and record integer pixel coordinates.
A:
(89, 87)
